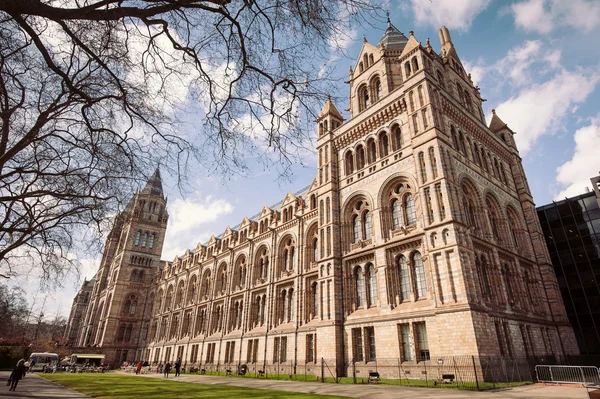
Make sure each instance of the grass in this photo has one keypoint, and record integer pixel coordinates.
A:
(118, 386)
(467, 386)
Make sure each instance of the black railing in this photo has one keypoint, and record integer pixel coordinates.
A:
(462, 372)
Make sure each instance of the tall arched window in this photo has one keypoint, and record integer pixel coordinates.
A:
(433, 162)
(396, 137)
(377, 90)
(371, 151)
(441, 79)
(367, 225)
(484, 276)
(363, 98)
(151, 243)
(349, 163)
(136, 242)
(383, 144)
(360, 157)
(409, 210)
(360, 287)
(419, 273)
(315, 298)
(372, 285)
(356, 228)
(315, 249)
(407, 69)
(396, 214)
(404, 274)
(144, 239)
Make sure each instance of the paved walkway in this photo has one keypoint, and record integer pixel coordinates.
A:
(34, 386)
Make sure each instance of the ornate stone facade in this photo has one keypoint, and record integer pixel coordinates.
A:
(418, 238)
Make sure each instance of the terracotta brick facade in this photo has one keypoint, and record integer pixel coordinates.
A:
(418, 238)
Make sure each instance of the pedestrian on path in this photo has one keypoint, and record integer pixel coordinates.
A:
(178, 367)
(16, 375)
(167, 369)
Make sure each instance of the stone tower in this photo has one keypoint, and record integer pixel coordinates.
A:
(116, 317)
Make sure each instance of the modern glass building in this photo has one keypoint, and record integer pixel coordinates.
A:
(572, 231)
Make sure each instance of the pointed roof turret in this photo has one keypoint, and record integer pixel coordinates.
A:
(496, 124)
(330, 109)
(154, 184)
(392, 38)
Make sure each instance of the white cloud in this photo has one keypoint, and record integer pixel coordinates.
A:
(542, 16)
(454, 14)
(539, 109)
(518, 64)
(575, 174)
(187, 217)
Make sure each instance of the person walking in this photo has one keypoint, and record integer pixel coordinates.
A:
(167, 369)
(138, 367)
(16, 375)
(178, 367)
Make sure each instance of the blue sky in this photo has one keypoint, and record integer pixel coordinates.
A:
(537, 63)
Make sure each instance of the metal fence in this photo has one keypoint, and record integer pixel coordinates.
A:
(567, 374)
(464, 372)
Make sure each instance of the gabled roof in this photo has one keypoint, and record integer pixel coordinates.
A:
(265, 211)
(289, 198)
(392, 38)
(410, 45)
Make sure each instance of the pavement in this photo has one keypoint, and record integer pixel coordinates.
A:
(34, 386)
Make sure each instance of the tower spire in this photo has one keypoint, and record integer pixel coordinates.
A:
(154, 184)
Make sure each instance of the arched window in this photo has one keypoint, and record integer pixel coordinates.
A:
(419, 273)
(396, 214)
(396, 137)
(151, 243)
(360, 287)
(136, 242)
(485, 283)
(315, 298)
(441, 79)
(494, 219)
(349, 163)
(420, 94)
(407, 69)
(368, 227)
(315, 249)
(454, 139)
(409, 210)
(371, 59)
(383, 144)
(415, 64)
(376, 90)
(372, 285)
(144, 239)
(404, 274)
(363, 98)
(360, 157)
(411, 101)
(356, 228)
(422, 168)
(371, 151)
(433, 162)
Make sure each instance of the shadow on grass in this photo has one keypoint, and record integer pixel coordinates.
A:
(115, 386)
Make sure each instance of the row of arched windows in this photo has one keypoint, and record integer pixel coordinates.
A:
(141, 239)
(478, 154)
(489, 221)
(362, 155)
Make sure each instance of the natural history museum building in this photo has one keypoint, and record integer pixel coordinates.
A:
(418, 238)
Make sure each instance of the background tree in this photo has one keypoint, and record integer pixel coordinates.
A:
(95, 93)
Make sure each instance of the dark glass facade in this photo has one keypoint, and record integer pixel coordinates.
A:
(572, 231)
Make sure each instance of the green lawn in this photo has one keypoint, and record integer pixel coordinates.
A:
(117, 386)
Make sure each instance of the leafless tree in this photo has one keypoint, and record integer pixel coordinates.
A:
(95, 93)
